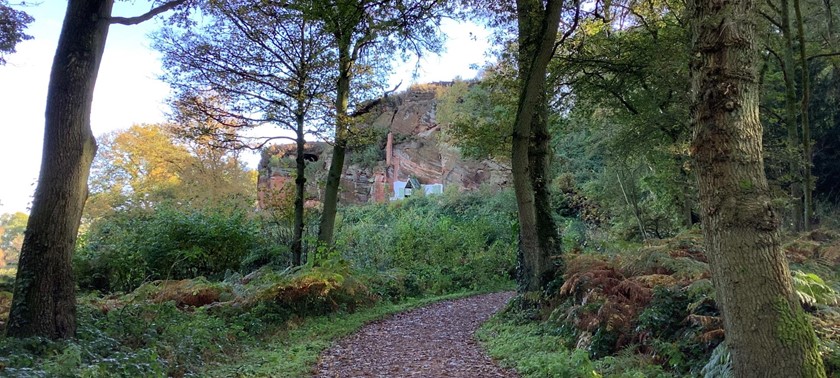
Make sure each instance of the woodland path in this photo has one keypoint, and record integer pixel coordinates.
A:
(432, 341)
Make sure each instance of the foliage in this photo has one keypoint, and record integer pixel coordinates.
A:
(720, 363)
(812, 290)
(619, 127)
(433, 244)
(604, 304)
(191, 327)
(12, 24)
(12, 227)
(539, 350)
(368, 147)
(478, 116)
(653, 307)
(147, 165)
(120, 252)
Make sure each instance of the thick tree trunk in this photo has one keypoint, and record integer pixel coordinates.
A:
(766, 328)
(333, 185)
(44, 301)
(300, 191)
(537, 30)
(540, 155)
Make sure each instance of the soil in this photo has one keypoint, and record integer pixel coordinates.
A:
(433, 341)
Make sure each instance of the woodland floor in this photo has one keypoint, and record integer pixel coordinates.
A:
(433, 341)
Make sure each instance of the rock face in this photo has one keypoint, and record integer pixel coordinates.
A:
(407, 144)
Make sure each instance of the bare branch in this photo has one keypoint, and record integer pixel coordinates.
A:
(812, 57)
(148, 15)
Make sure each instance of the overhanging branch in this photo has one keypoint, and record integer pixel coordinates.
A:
(148, 15)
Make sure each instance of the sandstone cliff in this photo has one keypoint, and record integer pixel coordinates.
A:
(405, 142)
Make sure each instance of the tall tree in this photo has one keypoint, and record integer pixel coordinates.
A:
(359, 29)
(766, 328)
(44, 301)
(263, 63)
(807, 178)
(538, 27)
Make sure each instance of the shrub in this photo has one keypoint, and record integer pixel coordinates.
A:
(434, 244)
(120, 252)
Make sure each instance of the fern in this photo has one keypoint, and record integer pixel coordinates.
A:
(720, 363)
(812, 290)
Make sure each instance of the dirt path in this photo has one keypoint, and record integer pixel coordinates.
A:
(433, 341)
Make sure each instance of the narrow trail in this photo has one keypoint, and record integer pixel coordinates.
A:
(433, 341)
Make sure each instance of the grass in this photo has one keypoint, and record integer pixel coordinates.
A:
(293, 351)
(538, 350)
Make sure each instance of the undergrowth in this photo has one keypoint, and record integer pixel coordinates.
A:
(651, 312)
(269, 323)
(169, 320)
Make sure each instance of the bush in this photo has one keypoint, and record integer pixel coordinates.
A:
(434, 244)
(120, 252)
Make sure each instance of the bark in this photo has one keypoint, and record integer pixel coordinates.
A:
(300, 189)
(806, 128)
(333, 184)
(798, 210)
(44, 301)
(766, 328)
(537, 31)
(540, 155)
(686, 199)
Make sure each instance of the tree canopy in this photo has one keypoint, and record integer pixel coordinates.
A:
(13, 22)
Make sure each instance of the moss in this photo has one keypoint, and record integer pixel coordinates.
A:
(746, 185)
(793, 328)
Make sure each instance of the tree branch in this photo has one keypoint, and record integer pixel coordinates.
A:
(148, 15)
(812, 57)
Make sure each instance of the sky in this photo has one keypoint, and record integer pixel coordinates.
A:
(128, 90)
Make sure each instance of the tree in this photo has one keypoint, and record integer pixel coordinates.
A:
(538, 27)
(359, 29)
(147, 165)
(611, 70)
(766, 328)
(12, 227)
(44, 302)
(477, 117)
(12, 24)
(254, 64)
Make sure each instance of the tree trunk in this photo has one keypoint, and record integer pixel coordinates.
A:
(540, 155)
(537, 32)
(44, 301)
(333, 184)
(806, 125)
(796, 177)
(686, 199)
(300, 190)
(766, 328)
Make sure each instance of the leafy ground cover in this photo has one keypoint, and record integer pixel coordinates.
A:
(269, 323)
(651, 312)
(169, 320)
